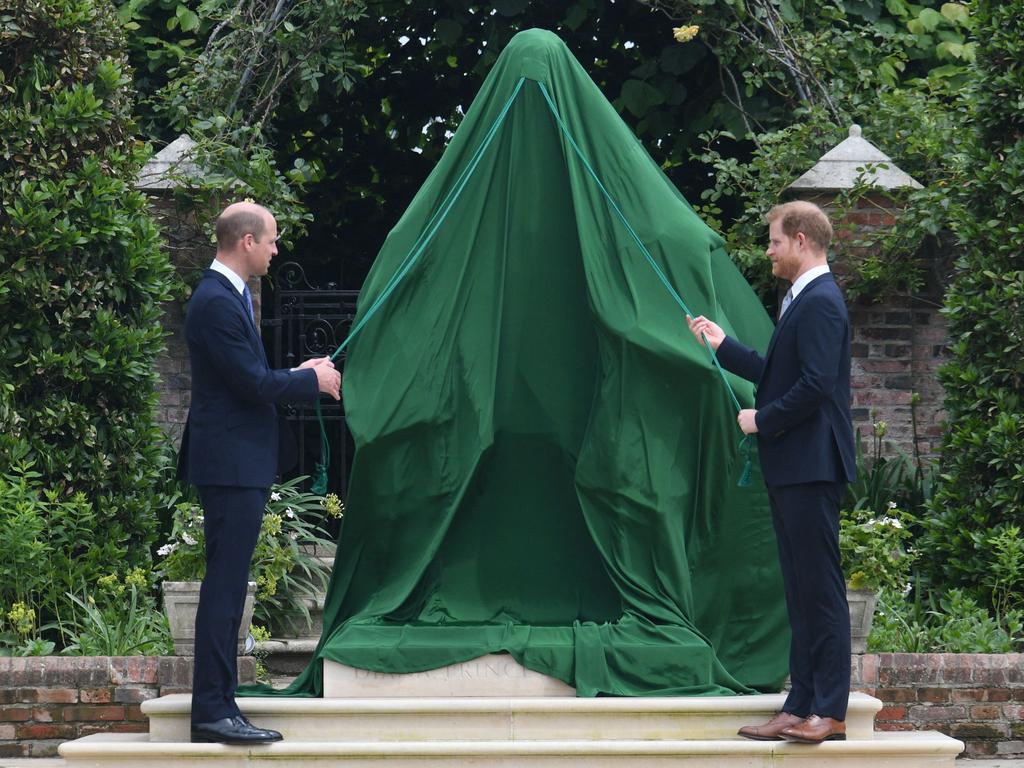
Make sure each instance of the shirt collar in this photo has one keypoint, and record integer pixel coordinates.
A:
(230, 274)
(804, 280)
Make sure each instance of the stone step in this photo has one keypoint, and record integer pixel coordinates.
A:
(287, 656)
(501, 719)
(889, 750)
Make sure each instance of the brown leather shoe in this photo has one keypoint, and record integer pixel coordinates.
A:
(770, 731)
(815, 730)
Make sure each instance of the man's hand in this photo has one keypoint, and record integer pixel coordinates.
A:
(712, 332)
(746, 420)
(327, 378)
(314, 362)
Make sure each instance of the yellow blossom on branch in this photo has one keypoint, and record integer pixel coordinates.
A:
(685, 34)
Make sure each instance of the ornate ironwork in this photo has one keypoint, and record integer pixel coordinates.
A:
(311, 321)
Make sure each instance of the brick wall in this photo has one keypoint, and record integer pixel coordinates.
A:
(897, 348)
(898, 344)
(49, 699)
(977, 698)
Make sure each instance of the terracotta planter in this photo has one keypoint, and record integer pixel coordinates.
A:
(181, 600)
(862, 611)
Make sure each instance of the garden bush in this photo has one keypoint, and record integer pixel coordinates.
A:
(82, 279)
(980, 489)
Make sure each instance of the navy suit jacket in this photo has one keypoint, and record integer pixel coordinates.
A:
(231, 433)
(805, 433)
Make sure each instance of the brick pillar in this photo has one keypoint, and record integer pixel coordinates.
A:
(898, 342)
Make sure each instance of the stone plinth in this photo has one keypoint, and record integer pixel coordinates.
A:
(491, 675)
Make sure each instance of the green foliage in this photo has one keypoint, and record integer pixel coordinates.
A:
(882, 262)
(873, 547)
(125, 627)
(81, 282)
(954, 623)
(980, 492)
(218, 72)
(1005, 578)
(284, 565)
(49, 548)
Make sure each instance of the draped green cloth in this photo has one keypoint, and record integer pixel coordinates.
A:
(546, 461)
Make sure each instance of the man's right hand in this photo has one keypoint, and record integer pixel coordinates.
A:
(328, 379)
(703, 328)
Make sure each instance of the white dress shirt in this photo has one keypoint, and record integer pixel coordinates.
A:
(804, 279)
(230, 274)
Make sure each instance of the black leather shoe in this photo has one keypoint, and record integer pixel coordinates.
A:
(275, 734)
(232, 730)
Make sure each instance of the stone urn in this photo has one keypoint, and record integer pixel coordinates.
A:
(862, 611)
(181, 600)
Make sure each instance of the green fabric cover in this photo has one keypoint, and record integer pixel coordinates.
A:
(546, 461)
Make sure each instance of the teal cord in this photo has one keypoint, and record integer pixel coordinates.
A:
(745, 442)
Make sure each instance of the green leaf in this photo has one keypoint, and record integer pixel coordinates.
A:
(897, 8)
(575, 16)
(638, 96)
(956, 13)
(189, 21)
(929, 19)
(949, 50)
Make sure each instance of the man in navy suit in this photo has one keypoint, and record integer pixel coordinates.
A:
(806, 445)
(229, 451)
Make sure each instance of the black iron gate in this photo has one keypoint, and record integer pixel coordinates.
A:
(310, 321)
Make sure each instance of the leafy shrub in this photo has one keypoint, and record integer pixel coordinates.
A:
(980, 490)
(953, 623)
(124, 622)
(81, 282)
(873, 548)
(284, 565)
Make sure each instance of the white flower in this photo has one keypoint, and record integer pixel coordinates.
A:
(188, 539)
(892, 505)
(892, 522)
(290, 513)
(275, 496)
(166, 549)
(293, 535)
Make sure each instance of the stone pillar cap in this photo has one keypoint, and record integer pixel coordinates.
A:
(174, 160)
(840, 168)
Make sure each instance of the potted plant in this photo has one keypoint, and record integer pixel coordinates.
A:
(284, 572)
(874, 555)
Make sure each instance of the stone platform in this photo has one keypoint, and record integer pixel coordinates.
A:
(529, 721)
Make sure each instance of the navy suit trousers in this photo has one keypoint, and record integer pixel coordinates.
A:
(806, 519)
(232, 519)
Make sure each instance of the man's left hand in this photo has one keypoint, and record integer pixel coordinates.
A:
(747, 422)
(315, 361)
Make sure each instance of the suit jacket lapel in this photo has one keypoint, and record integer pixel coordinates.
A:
(789, 310)
(222, 279)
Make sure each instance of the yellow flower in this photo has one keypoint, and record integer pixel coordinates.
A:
(137, 578)
(685, 34)
(271, 525)
(333, 506)
(110, 584)
(23, 618)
